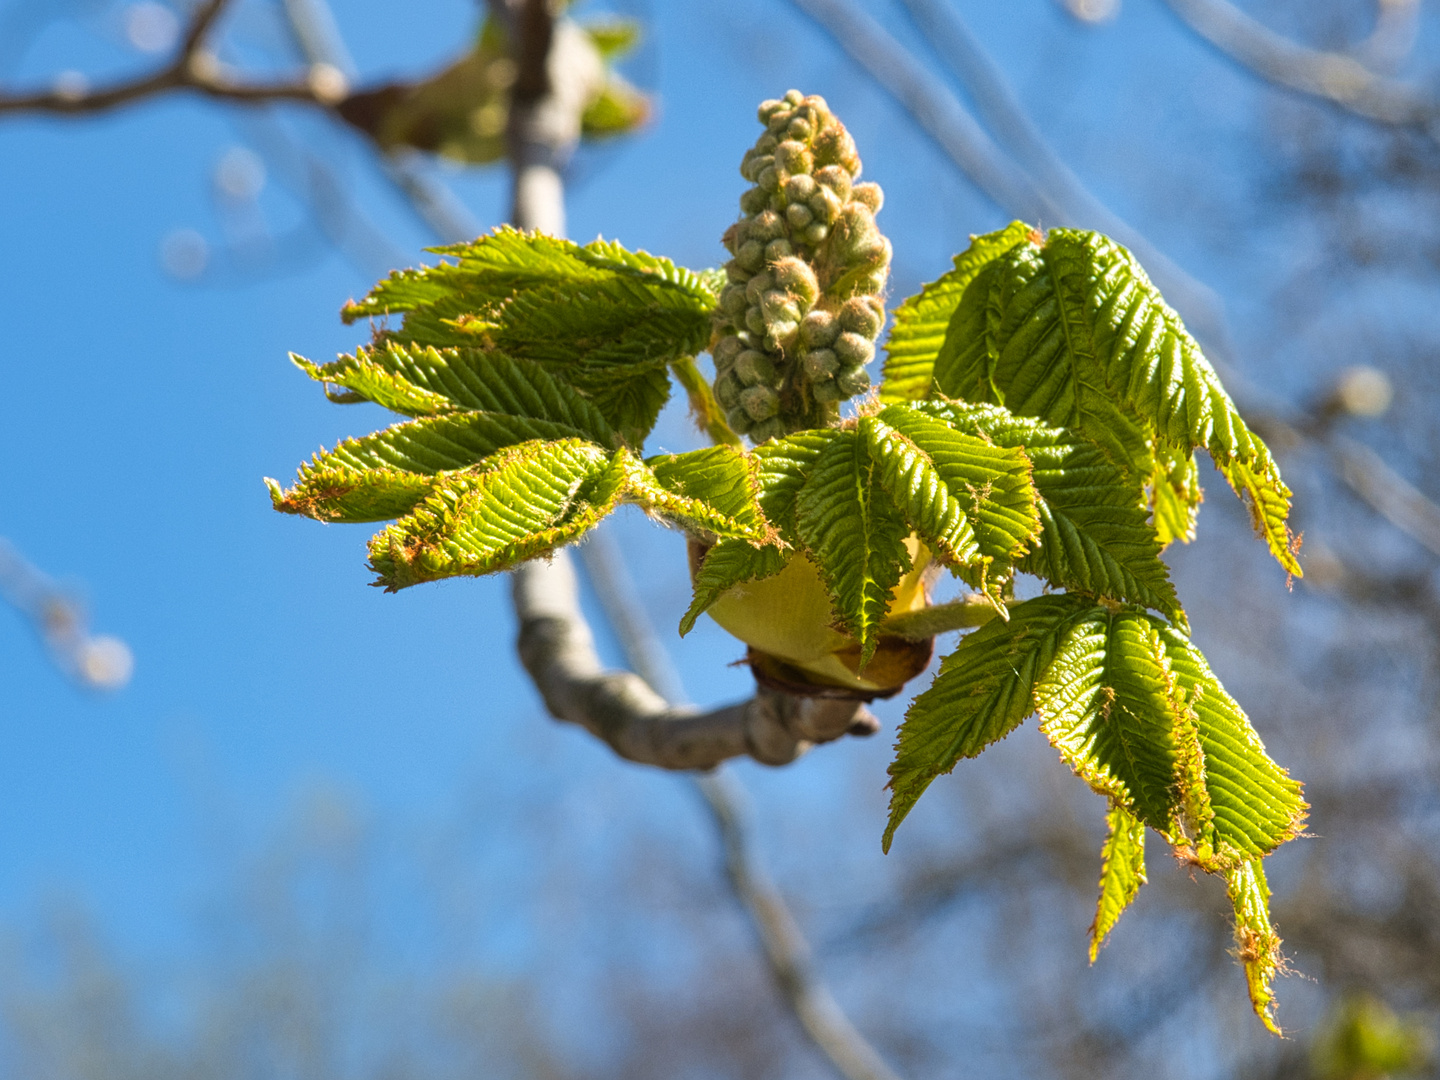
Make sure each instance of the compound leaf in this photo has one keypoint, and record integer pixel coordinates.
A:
(784, 465)
(854, 534)
(921, 321)
(529, 501)
(706, 491)
(1122, 872)
(983, 690)
(727, 564)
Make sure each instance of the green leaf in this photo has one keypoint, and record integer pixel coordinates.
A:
(1257, 943)
(854, 534)
(784, 466)
(334, 492)
(1072, 331)
(1177, 495)
(531, 500)
(1109, 705)
(983, 690)
(921, 321)
(424, 381)
(1256, 805)
(909, 476)
(705, 491)
(1122, 872)
(727, 564)
(992, 484)
(607, 320)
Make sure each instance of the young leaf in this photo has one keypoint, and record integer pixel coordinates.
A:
(1122, 872)
(1257, 943)
(607, 320)
(1109, 705)
(424, 381)
(727, 564)
(1176, 495)
(704, 491)
(983, 690)
(854, 534)
(1094, 534)
(1256, 805)
(921, 321)
(1072, 331)
(909, 476)
(535, 498)
(360, 479)
(784, 465)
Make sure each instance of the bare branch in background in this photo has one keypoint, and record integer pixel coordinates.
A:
(1339, 80)
(98, 661)
(196, 69)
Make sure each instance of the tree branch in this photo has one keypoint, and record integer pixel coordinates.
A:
(194, 69)
(1331, 77)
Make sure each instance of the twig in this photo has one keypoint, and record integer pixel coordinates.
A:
(1339, 80)
(194, 69)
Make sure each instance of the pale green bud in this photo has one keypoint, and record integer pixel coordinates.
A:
(738, 419)
(826, 392)
(754, 200)
(799, 215)
(727, 390)
(836, 179)
(795, 276)
(825, 205)
(779, 249)
(759, 402)
(799, 188)
(735, 273)
(800, 129)
(766, 144)
(755, 321)
(870, 195)
(853, 381)
(791, 158)
(769, 108)
(863, 316)
(769, 178)
(816, 234)
(820, 364)
(759, 285)
(726, 350)
(751, 255)
(767, 430)
(767, 226)
(779, 306)
(794, 98)
(753, 368)
(853, 350)
(820, 329)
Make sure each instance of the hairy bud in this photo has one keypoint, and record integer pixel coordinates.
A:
(797, 324)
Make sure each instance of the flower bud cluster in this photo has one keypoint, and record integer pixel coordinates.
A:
(798, 319)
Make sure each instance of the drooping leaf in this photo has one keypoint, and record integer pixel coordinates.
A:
(727, 564)
(1256, 805)
(854, 534)
(535, 498)
(1095, 536)
(1257, 944)
(1072, 331)
(983, 690)
(1109, 705)
(1122, 872)
(706, 491)
(921, 321)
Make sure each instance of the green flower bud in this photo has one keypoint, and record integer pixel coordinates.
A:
(820, 329)
(799, 215)
(754, 200)
(780, 333)
(795, 277)
(836, 179)
(769, 108)
(735, 273)
(853, 350)
(853, 381)
(834, 146)
(759, 285)
(759, 402)
(766, 144)
(754, 320)
(870, 195)
(827, 392)
(726, 350)
(799, 129)
(862, 315)
(799, 188)
(817, 233)
(769, 178)
(767, 430)
(791, 158)
(820, 364)
(779, 249)
(794, 98)
(767, 226)
(825, 205)
(751, 255)
(727, 390)
(738, 419)
(753, 368)
(779, 306)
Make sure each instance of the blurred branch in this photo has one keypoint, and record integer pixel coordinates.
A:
(1340, 80)
(194, 68)
(97, 661)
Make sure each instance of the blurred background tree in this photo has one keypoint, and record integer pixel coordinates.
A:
(492, 895)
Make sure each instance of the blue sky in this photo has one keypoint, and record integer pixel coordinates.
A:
(145, 410)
